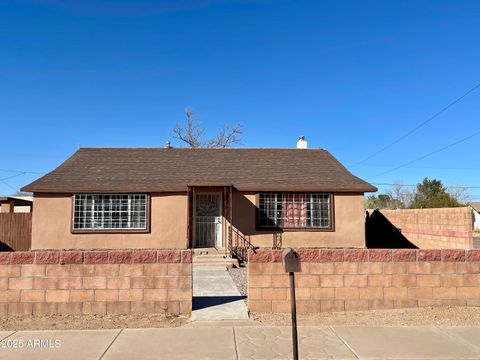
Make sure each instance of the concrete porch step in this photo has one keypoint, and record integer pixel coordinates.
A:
(227, 263)
(212, 258)
(217, 264)
(208, 251)
(197, 268)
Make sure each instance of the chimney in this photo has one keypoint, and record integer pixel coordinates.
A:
(167, 145)
(301, 143)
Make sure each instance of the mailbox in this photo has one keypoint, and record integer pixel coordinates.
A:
(291, 260)
(291, 265)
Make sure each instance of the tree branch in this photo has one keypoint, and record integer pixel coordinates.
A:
(192, 132)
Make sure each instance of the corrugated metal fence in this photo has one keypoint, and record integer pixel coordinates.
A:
(15, 231)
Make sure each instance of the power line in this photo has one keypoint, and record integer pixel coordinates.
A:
(10, 177)
(3, 180)
(427, 155)
(7, 184)
(22, 171)
(13, 176)
(418, 126)
(427, 167)
(449, 186)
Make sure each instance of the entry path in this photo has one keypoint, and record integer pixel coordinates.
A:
(215, 296)
(221, 340)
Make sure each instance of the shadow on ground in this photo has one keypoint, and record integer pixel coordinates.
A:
(381, 233)
(202, 302)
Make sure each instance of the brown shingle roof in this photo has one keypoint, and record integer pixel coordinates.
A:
(163, 170)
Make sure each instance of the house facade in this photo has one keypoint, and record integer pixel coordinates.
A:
(177, 198)
(475, 206)
(16, 204)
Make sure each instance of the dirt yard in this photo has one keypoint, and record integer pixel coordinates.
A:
(450, 315)
(82, 322)
(453, 316)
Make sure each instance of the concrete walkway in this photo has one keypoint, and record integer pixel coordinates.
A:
(215, 296)
(222, 341)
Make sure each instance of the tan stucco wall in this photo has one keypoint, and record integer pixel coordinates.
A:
(349, 224)
(51, 226)
(6, 207)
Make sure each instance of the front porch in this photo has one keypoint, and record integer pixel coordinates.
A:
(211, 232)
(210, 258)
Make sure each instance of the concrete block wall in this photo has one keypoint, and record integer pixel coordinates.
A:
(446, 228)
(96, 282)
(363, 279)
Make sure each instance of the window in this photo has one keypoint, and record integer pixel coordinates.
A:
(110, 212)
(295, 210)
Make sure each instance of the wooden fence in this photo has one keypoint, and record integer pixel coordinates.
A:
(15, 231)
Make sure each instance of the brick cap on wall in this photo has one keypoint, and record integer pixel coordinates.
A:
(267, 255)
(126, 256)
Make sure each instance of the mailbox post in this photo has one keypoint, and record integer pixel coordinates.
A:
(291, 265)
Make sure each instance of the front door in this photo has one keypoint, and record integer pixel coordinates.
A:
(208, 220)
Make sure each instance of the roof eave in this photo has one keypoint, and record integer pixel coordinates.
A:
(184, 189)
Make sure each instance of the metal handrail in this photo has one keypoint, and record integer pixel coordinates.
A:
(240, 245)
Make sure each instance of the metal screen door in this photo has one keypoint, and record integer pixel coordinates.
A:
(208, 220)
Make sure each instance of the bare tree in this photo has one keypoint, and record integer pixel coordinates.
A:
(192, 133)
(460, 193)
(22, 193)
(397, 197)
(429, 193)
(401, 196)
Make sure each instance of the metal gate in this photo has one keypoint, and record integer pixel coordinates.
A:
(208, 220)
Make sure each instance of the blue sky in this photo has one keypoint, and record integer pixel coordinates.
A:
(352, 76)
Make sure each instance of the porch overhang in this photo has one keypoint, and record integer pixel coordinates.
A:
(209, 184)
(226, 191)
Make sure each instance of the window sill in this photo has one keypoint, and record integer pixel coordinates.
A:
(113, 231)
(330, 229)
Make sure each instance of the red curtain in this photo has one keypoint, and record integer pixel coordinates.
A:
(294, 210)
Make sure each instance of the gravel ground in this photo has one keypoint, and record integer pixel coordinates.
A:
(448, 315)
(239, 277)
(452, 316)
(82, 322)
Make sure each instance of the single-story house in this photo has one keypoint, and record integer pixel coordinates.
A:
(189, 198)
(16, 204)
(475, 206)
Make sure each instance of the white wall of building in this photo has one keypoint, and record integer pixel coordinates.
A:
(476, 224)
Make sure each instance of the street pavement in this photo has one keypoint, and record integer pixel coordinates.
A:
(244, 340)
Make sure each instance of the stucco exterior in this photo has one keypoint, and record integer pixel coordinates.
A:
(52, 219)
(348, 230)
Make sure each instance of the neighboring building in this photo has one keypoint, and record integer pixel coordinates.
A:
(17, 204)
(184, 198)
(476, 215)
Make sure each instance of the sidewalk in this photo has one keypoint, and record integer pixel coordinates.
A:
(215, 296)
(243, 341)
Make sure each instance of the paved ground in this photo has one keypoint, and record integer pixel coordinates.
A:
(241, 340)
(215, 296)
